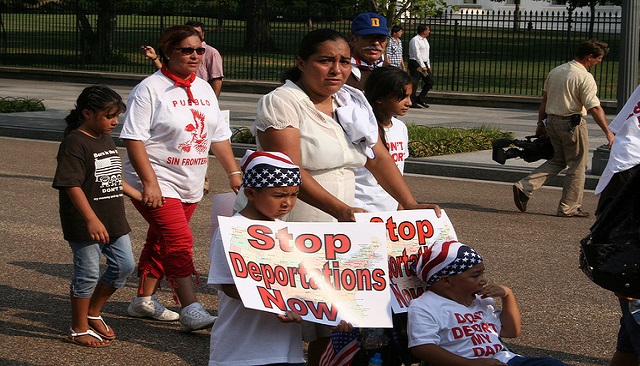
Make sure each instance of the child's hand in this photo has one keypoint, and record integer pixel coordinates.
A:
(492, 290)
(343, 327)
(290, 317)
(97, 231)
(136, 196)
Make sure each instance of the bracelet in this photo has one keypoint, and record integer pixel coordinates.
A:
(153, 59)
(233, 173)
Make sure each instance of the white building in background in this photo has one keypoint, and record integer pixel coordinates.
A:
(526, 6)
(543, 14)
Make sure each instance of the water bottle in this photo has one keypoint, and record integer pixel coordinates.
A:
(634, 309)
(375, 360)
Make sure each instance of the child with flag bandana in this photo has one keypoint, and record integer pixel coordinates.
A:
(243, 336)
(455, 321)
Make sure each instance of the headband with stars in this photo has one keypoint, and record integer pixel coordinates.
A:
(263, 169)
(446, 259)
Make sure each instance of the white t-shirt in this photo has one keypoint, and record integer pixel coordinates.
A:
(369, 194)
(625, 151)
(176, 134)
(470, 332)
(244, 336)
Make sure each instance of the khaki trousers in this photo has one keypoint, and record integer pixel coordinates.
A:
(571, 148)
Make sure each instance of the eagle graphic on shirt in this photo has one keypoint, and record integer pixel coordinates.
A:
(198, 138)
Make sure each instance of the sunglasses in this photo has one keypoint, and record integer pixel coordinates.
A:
(189, 50)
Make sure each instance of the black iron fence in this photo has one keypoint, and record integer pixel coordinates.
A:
(473, 51)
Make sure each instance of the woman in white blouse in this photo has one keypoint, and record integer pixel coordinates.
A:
(328, 129)
(309, 118)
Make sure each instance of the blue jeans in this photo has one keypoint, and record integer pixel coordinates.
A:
(86, 265)
(534, 361)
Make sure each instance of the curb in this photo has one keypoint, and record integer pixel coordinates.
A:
(419, 166)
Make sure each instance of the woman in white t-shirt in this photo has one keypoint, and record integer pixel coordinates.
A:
(172, 122)
(329, 130)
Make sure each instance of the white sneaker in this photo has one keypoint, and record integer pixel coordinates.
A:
(195, 317)
(151, 309)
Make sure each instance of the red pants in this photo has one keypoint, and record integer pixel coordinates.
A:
(168, 250)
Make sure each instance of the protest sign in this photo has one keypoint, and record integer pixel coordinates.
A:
(221, 205)
(408, 232)
(326, 272)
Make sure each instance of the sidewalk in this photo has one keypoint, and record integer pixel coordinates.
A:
(59, 98)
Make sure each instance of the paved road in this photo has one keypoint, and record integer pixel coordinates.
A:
(535, 253)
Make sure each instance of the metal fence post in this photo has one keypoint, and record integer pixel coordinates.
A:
(455, 55)
(628, 71)
(569, 55)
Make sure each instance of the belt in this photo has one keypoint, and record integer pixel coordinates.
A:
(560, 117)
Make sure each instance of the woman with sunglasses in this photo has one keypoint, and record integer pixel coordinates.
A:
(172, 122)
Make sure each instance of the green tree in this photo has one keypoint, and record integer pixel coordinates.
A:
(393, 10)
(573, 4)
(516, 14)
(99, 40)
(258, 32)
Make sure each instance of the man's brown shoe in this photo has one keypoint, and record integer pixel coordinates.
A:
(520, 199)
(578, 213)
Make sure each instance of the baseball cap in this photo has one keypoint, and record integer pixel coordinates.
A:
(369, 23)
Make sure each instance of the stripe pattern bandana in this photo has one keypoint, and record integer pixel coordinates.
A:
(446, 259)
(263, 169)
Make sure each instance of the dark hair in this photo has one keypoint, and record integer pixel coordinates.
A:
(386, 82)
(395, 29)
(195, 23)
(172, 36)
(199, 24)
(309, 46)
(422, 28)
(95, 98)
(593, 47)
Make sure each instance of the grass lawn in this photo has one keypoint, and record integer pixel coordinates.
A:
(427, 141)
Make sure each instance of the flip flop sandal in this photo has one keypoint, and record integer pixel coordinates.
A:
(72, 338)
(104, 336)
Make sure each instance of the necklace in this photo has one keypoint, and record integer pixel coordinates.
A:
(87, 133)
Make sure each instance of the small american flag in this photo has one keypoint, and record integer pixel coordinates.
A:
(341, 349)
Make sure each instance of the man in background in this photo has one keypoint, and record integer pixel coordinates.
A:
(420, 65)
(394, 48)
(368, 41)
(569, 93)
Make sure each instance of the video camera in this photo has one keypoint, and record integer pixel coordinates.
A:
(529, 150)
